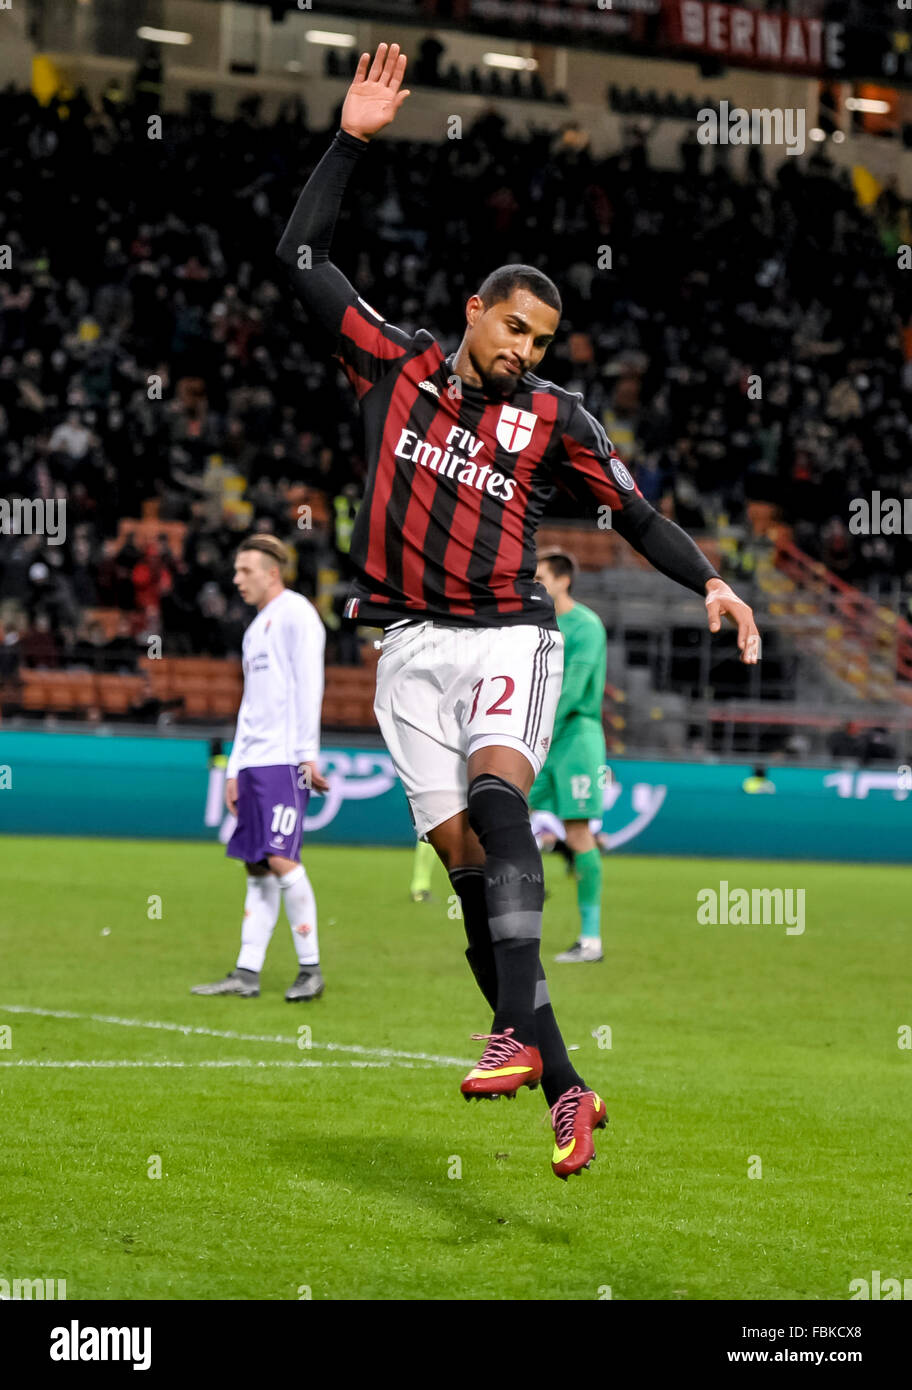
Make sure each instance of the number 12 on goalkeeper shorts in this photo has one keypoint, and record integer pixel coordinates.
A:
(580, 786)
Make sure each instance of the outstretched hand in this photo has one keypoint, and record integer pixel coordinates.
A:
(374, 97)
(721, 602)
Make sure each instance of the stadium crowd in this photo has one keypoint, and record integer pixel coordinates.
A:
(150, 350)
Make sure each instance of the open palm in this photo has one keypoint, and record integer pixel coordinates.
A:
(374, 97)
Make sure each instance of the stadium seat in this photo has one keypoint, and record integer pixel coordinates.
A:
(197, 701)
(224, 700)
(189, 683)
(117, 693)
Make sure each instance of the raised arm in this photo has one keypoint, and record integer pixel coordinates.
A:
(360, 336)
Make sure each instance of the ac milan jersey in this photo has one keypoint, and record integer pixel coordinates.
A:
(458, 479)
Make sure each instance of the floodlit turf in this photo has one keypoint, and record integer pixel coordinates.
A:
(730, 1044)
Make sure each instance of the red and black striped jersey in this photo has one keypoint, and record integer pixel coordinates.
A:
(457, 479)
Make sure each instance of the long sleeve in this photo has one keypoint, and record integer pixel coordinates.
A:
(592, 462)
(577, 676)
(365, 344)
(305, 644)
(583, 684)
(667, 548)
(238, 747)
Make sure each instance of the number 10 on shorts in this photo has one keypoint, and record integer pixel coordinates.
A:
(283, 819)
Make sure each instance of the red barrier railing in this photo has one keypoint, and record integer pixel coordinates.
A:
(876, 630)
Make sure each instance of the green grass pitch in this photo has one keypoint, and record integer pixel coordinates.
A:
(367, 1176)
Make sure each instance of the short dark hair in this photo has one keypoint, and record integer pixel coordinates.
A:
(561, 563)
(267, 545)
(501, 283)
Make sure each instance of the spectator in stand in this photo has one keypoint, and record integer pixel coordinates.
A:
(122, 652)
(152, 578)
(38, 645)
(111, 293)
(71, 438)
(90, 647)
(10, 651)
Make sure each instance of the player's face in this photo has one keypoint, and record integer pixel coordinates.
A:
(508, 338)
(252, 576)
(545, 575)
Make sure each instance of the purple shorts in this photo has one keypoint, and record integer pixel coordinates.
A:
(270, 814)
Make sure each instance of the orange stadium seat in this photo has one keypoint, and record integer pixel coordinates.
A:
(341, 713)
(189, 683)
(196, 700)
(117, 693)
(160, 681)
(33, 690)
(56, 691)
(224, 700)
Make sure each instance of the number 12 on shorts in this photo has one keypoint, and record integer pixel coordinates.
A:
(498, 707)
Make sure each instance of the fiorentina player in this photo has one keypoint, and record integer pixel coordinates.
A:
(273, 768)
(463, 453)
(570, 783)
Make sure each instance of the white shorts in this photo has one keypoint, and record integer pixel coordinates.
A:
(444, 692)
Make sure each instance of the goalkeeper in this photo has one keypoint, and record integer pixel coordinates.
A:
(570, 782)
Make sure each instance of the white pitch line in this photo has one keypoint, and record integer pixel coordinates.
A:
(231, 1062)
(187, 1029)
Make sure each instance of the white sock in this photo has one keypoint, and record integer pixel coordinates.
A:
(301, 910)
(261, 912)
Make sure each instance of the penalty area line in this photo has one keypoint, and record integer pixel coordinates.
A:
(195, 1030)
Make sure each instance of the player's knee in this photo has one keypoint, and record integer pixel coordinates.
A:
(445, 848)
(579, 836)
(499, 815)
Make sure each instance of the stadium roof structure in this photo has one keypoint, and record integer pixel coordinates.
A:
(847, 40)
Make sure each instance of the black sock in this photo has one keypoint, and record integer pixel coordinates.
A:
(514, 894)
(469, 884)
(558, 1074)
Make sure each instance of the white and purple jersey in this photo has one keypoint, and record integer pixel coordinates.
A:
(278, 722)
